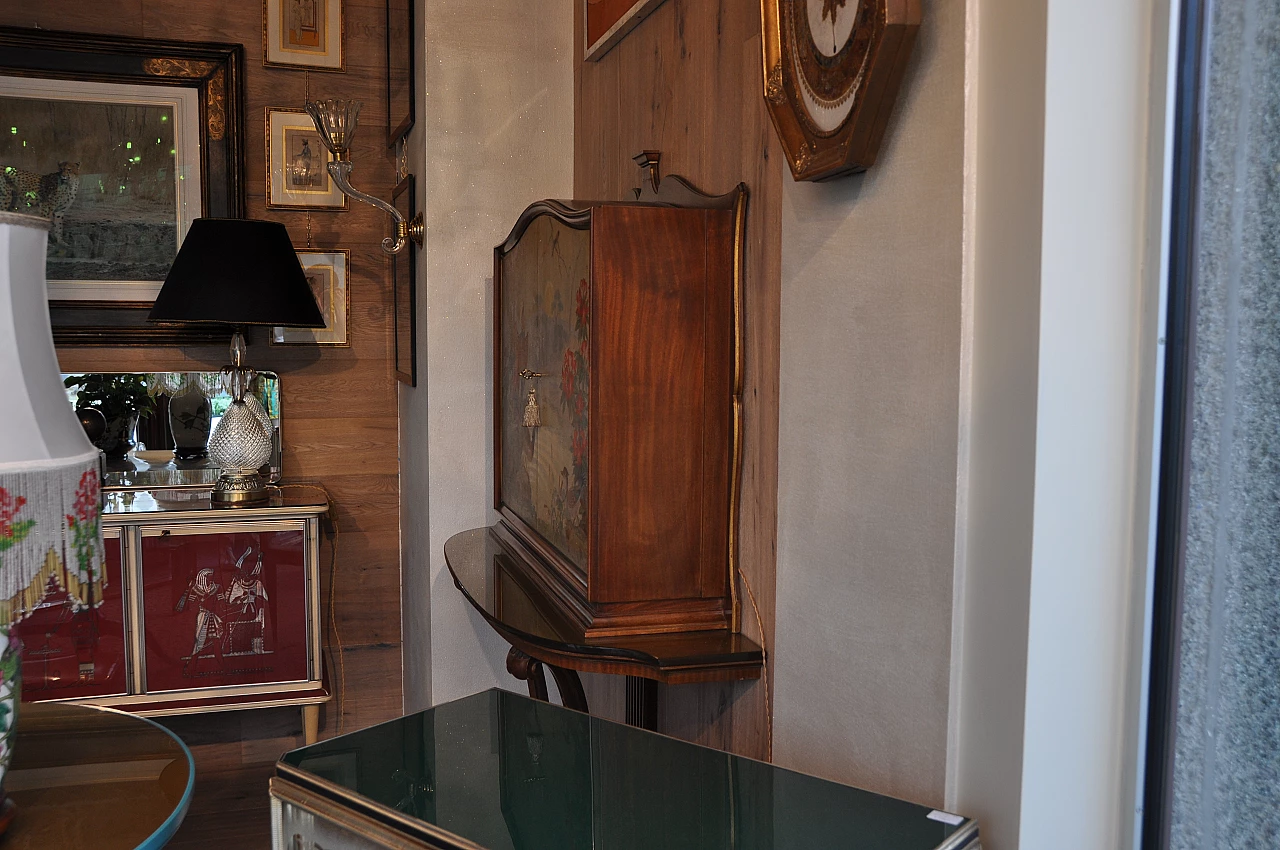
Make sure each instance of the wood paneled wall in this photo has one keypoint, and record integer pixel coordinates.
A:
(688, 82)
(339, 404)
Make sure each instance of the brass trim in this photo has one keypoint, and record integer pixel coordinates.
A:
(300, 778)
(286, 793)
(771, 52)
(210, 516)
(151, 530)
(314, 622)
(283, 702)
(161, 697)
(133, 614)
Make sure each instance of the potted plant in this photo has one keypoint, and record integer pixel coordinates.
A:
(121, 399)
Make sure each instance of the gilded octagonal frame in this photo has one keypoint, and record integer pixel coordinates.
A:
(830, 104)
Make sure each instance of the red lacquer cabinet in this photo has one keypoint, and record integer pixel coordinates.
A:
(201, 609)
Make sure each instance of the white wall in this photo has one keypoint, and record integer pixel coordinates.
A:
(1067, 195)
(497, 113)
(1004, 164)
(870, 363)
(1093, 434)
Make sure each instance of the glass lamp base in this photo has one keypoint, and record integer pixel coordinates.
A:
(239, 488)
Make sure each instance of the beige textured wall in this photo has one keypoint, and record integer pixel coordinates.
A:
(871, 330)
(497, 127)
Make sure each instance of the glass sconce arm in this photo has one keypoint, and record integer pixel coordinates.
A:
(340, 170)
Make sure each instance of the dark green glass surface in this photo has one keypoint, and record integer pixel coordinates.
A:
(506, 771)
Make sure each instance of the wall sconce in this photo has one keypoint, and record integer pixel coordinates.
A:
(335, 121)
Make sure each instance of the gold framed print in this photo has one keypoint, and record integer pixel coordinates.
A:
(606, 22)
(302, 34)
(832, 69)
(298, 165)
(328, 273)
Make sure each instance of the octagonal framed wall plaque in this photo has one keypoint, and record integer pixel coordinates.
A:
(832, 70)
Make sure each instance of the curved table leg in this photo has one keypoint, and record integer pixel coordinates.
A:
(571, 693)
(528, 670)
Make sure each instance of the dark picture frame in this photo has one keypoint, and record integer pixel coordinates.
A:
(216, 72)
(405, 290)
(400, 70)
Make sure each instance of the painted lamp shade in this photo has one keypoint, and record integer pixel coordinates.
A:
(50, 535)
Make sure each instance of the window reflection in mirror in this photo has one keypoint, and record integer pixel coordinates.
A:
(154, 427)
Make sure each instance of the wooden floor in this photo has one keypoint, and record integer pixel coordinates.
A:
(235, 754)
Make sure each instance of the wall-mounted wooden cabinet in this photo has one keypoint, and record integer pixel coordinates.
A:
(616, 408)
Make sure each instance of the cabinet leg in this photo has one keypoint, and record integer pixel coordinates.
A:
(642, 703)
(311, 723)
(528, 670)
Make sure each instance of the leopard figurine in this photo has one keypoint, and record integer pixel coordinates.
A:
(47, 195)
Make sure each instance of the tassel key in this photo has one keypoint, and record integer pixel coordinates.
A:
(532, 415)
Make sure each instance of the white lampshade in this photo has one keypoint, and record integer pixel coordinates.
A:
(49, 471)
(38, 423)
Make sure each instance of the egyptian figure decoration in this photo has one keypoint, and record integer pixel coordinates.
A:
(46, 195)
(230, 621)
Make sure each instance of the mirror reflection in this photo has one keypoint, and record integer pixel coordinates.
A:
(153, 428)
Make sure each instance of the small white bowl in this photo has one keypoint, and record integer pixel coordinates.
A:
(155, 457)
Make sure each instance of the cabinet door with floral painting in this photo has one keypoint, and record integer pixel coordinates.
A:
(224, 608)
(73, 637)
(544, 375)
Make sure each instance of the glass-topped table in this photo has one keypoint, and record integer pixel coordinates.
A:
(497, 770)
(93, 777)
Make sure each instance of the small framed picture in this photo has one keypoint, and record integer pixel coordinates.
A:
(406, 290)
(302, 34)
(298, 165)
(400, 106)
(327, 273)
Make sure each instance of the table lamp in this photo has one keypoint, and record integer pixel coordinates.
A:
(239, 272)
(50, 534)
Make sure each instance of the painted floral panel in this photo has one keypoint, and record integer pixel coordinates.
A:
(545, 327)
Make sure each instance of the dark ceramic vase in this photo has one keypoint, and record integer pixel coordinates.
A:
(117, 440)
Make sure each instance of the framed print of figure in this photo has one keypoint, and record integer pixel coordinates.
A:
(327, 274)
(302, 34)
(298, 165)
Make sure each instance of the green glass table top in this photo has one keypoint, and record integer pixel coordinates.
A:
(504, 771)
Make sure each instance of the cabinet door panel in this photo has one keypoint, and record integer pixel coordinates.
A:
(544, 318)
(224, 608)
(73, 648)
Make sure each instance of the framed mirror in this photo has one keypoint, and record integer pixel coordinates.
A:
(154, 428)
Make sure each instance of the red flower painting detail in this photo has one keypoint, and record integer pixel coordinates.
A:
(12, 529)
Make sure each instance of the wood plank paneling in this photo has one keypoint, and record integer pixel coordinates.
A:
(340, 425)
(687, 81)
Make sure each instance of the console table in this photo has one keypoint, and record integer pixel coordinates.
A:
(500, 770)
(492, 579)
(198, 609)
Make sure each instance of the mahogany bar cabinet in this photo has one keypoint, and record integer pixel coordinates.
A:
(617, 405)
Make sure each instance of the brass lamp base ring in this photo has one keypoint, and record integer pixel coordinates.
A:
(239, 488)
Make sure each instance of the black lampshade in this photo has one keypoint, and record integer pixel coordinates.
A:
(237, 271)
